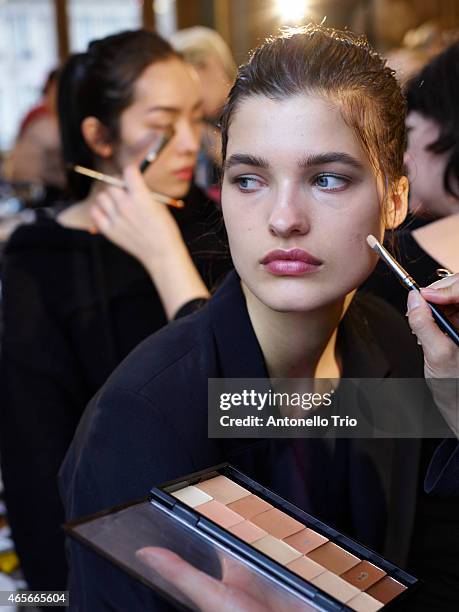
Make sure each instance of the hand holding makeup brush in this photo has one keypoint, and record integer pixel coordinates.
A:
(145, 228)
(441, 355)
(237, 590)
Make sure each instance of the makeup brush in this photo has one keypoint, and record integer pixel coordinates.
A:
(409, 283)
(116, 182)
(154, 152)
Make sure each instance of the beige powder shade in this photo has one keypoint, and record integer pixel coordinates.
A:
(247, 531)
(306, 568)
(364, 603)
(192, 496)
(219, 513)
(223, 489)
(306, 540)
(334, 558)
(276, 549)
(250, 506)
(335, 586)
(277, 523)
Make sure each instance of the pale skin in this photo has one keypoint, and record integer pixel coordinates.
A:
(297, 177)
(281, 204)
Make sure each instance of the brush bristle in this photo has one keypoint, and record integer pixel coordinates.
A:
(372, 242)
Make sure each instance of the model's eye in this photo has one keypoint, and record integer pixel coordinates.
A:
(247, 183)
(331, 182)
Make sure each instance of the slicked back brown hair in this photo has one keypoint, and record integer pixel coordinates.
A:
(342, 67)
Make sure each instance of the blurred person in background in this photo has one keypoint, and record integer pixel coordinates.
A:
(75, 304)
(37, 156)
(211, 57)
(429, 240)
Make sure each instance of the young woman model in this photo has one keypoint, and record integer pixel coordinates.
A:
(74, 303)
(313, 142)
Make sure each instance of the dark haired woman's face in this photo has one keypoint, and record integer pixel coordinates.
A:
(426, 169)
(297, 180)
(165, 95)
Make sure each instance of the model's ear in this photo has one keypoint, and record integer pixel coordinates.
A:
(96, 136)
(397, 204)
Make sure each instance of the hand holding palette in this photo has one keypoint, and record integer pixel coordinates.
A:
(326, 568)
(220, 519)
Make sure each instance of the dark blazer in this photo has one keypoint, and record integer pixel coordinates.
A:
(74, 305)
(148, 424)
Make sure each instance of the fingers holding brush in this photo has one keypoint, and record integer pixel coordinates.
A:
(132, 218)
(441, 355)
(445, 292)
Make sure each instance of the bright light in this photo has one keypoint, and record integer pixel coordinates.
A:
(291, 11)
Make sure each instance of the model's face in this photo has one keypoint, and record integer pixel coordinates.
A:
(165, 95)
(296, 177)
(426, 169)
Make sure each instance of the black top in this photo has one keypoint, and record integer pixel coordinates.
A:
(74, 306)
(149, 424)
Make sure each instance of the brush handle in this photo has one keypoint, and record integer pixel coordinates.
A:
(444, 324)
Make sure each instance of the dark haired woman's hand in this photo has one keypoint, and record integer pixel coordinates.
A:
(144, 227)
(131, 218)
(441, 355)
(238, 589)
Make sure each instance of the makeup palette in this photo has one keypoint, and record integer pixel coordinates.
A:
(326, 568)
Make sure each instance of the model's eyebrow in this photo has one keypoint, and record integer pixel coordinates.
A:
(320, 159)
(248, 160)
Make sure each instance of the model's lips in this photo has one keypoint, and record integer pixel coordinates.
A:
(185, 174)
(294, 262)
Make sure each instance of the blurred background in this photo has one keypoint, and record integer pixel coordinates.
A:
(36, 35)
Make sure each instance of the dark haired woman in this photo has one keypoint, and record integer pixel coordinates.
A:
(429, 240)
(74, 303)
(313, 163)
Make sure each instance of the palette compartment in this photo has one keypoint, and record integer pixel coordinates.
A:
(328, 569)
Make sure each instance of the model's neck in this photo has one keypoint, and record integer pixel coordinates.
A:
(298, 344)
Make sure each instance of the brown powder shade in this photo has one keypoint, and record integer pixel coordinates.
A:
(247, 531)
(223, 489)
(306, 540)
(306, 568)
(386, 589)
(334, 558)
(335, 586)
(363, 575)
(364, 603)
(219, 513)
(250, 506)
(277, 523)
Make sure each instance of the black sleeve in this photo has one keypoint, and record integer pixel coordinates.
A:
(124, 445)
(190, 307)
(40, 407)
